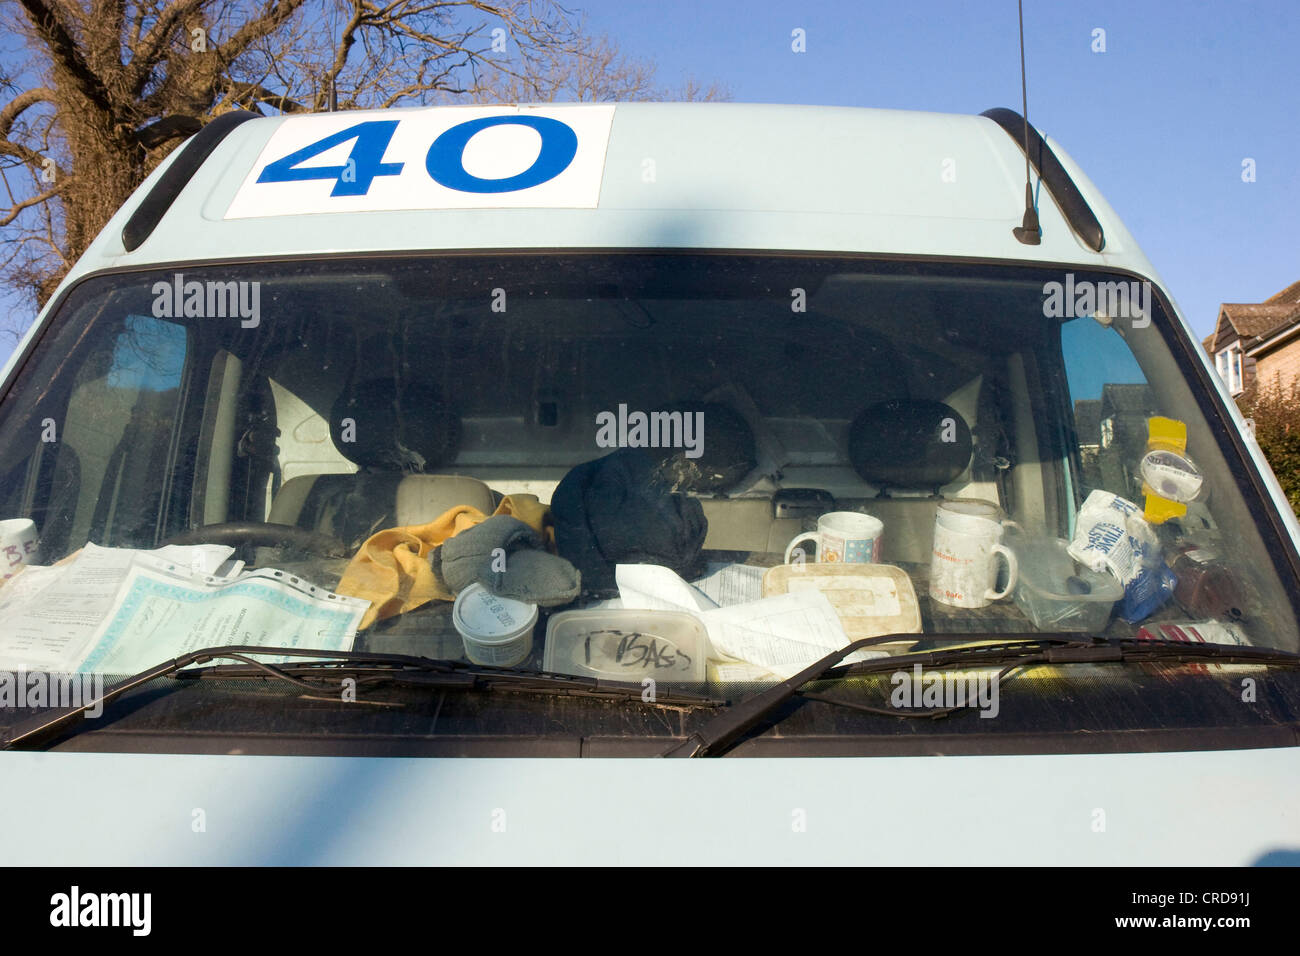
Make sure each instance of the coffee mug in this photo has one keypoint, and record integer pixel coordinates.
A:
(971, 515)
(843, 536)
(18, 546)
(964, 561)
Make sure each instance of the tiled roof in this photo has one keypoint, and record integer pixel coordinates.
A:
(1250, 320)
(1290, 294)
(1261, 320)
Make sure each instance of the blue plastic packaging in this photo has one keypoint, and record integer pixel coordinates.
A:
(1147, 592)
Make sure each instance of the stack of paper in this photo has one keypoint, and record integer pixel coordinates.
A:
(120, 611)
(727, 584)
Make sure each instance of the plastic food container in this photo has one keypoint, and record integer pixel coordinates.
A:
(494, 630)
(1056, 592)
(870, 599)
(627, 645)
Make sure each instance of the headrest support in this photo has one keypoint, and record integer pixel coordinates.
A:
(414, 431)
(910, 444)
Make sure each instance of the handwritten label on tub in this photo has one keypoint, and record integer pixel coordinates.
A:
(629, 653)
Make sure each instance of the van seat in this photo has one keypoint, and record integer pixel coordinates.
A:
(354, 506)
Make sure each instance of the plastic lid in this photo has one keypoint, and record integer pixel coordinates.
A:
(481, 615)
(1171, 475)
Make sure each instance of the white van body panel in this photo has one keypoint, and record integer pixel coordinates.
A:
(1223, 808)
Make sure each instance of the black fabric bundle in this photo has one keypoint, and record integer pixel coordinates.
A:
(620, 509)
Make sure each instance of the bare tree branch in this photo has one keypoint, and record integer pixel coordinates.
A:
(251, 92)
(64, 51)
(146, 52)
(12, 214)
(21, 103)
(277, 12)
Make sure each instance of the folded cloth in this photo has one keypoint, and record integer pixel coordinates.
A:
(620, 509)
(391, 569)
(509, 559)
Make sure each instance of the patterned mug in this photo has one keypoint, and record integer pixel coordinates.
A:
(843, 536)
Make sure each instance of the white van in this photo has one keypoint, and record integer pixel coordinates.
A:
(814, 453)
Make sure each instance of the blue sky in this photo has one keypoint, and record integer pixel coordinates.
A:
(1161, 121)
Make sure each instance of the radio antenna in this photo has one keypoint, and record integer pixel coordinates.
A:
(1028, 232)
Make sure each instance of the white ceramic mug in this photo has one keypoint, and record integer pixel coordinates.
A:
(19, 545)
(843, 536)
(971, 515)
(964, 561)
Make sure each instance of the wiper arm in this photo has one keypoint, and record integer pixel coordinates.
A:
(1065, 648)
(407, 668)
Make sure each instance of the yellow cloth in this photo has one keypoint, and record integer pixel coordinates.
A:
(391, 570)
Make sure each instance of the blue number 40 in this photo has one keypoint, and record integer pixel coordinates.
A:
(354, 177)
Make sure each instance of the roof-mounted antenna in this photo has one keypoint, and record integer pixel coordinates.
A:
(334, 93)
(1029, 232)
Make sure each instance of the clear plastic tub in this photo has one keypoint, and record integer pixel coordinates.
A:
(1056, 592)
(627, 645)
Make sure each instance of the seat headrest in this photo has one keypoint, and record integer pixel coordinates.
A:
(728, 452)
(414, 431)
(910, 444)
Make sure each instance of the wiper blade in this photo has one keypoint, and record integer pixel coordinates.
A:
(1065, 648)
(437, 673)
(408, 668)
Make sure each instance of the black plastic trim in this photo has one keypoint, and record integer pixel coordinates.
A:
(193, 154)
(1077, 211)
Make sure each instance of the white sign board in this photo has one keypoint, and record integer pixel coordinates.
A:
(439, 158)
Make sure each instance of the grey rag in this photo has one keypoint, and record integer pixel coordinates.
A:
(509, 559)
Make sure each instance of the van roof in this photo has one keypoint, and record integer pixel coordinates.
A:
(686, 176)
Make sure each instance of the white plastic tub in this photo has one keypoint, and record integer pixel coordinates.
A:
(494, 630)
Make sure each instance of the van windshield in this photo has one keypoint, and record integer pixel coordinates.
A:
(695, 465)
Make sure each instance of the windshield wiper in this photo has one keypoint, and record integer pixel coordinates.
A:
(1067, 648)
(400, 668)
(442, 674)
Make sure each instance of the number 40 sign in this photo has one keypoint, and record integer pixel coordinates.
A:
(440, 158)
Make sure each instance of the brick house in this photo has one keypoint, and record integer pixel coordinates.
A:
(1257, 341)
